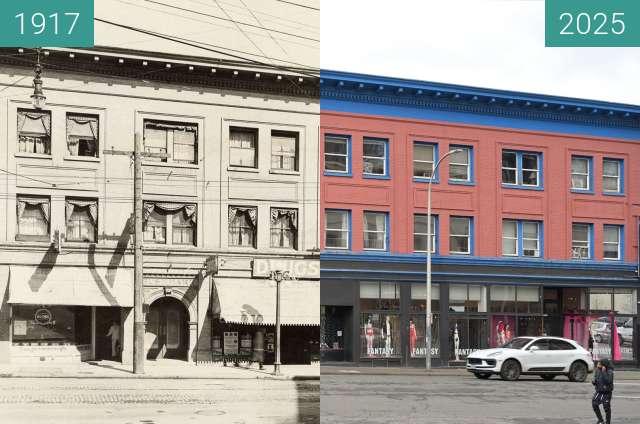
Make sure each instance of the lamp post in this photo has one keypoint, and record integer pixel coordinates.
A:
(278, 276)
(38, 98)
(429, 238)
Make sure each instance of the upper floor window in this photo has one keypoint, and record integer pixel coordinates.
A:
(521, 168)
(284, 228)
(165, 137)
(612, 176)
(581, 241)
(424, 157)
(243, 226)
(82, 220)
(337, 150)
(284, 150)
(520, 238)
(612, 242)
(460, 235)
(33, 216)
(581, 173)
(82, 135)
(336, 229)
(421, 232)
(460, 164)
(34, 131)
(175, 219)
(374, 157)
(375, 230)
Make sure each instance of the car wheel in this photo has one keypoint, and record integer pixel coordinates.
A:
(578, 372)
(482, 376)
(510, 370)
(548, 377)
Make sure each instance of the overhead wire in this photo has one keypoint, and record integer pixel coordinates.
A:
(298, 4)
(260, 23)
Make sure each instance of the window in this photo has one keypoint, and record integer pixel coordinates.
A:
(503, 298)
(520, 238)
(375, 231)
(581, 173)
(522, 168)
(336, 229)
(379, 296)
(284, 150)
(419, 298)
(612, 176)
(336, 154)
(178, 138)
(374, 157)
(421, 231)
(467, 298)
(178, 220)
(460, 164)
(424, 157)
(33, 215)
(581, 241)
(243, 223)
(243, 147)
(460, 235)
(82, 135)
(82, 220)
(612, 242)
(155, 228)
(183, 228)
(34, 131)
(560, 345)
(284, 228)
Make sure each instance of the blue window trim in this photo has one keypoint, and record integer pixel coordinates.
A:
(471, 180)
(620, 229)
(435, 177)
(471, 236)
(349, 231)
(520, 238)
(387, 233)
(518, 185)
(590, 190)
(387, 162)
(436, 225)
(621, 165)
(349, 172)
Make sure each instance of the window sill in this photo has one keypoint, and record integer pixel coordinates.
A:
(579, 191)
(171, 164)
(284, 172)
(82, 159)
(337, 174)
(37, 239)
(460, 182)
(611, 193)
(376, 177)
(522, 187)
(242, 169)
(426, 180)
(337, 249)
(33, 155)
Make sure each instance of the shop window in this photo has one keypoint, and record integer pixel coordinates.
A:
(552, 301)
(467, 298)
(375, 230)
(34, 131)
(417, 341)
(243, 147)
(424, 159)
(522, 169)
(284, 228)
(421, 232)
(601, 299)
(612, 242)
(460, 229)
(581, 173)
(582, 239)
(82, 135)
(528, 300)
(178, 220)
(337, 155)
(466, 335)
(51, 324)
(374, 157)
(337, 229)
(530, 326)
(503, 299)
(243, 225)
(460, 164)
(574, 300)
(33, 216)
(179, 138)
(625, 301)
(82, 220)
(503, 329)
(380, 335)
(379, 296)
(419, 298)
(284, 150)
(612, 176)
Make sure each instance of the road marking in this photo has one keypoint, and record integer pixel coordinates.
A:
(626, 397)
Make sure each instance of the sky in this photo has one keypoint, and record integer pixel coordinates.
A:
(495, 44)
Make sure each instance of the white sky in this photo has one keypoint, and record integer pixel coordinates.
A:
(486, 43)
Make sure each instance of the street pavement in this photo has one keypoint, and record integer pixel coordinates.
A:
(157, 401)
(364, 395)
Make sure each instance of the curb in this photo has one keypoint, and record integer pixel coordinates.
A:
(169, 377)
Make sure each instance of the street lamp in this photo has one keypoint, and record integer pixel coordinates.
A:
(429, 238)
(278, 276)
(38, 98)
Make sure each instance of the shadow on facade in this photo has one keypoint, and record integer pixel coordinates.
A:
(43, 269)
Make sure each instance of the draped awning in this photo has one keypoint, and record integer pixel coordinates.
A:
(246, 301)
(69, 285)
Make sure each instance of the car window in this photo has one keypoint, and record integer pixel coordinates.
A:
(629, 323)
(542, 344)
(517, 343)
(560, 345)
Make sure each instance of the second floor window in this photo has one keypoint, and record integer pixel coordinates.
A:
(375, 231)
(521, 168)
(460, 235)
(336, 229)
(284, 228)
(581, 241)
(82, 220)
(580, 173)
(424, 155)
(177, 139)
(612, 176)
(612, 245)
(336, 154)
(421, 232)
(163, 219)
(374, 157)
(82, 135)
(34, 132)
(33, 218)
(243, 147)
(243, 225)
(284, 150)
(520, 238)
(460, 164)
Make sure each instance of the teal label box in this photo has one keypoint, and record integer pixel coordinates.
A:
(46, 23)
(592, 23)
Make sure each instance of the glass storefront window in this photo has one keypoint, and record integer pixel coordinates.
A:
(467, 298)
(417, 341)
(503, 299)
(600, 300)
(419, 298)
(624, 301)
(380, 335)
(369, 295)
(503, 329)
(530, 326)
(63, 324)
(466, 335)
(379, 296)
(574, 300)
(551, 301)
(528, 300)
(626, 338)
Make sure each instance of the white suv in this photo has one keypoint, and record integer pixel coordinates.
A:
(543, 356)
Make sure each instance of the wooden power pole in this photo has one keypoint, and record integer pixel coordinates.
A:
(138, 278)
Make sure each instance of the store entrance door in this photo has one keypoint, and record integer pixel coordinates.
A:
(105, 317)
(167, 327)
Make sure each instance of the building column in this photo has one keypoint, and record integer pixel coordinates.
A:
(193, 338)
(93, 333)
(126, 335)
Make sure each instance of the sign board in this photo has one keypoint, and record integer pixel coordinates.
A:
(20, 328)
(230, 342)
(271, 342)
(298, 268)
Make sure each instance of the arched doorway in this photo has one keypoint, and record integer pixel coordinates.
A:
(167, 329)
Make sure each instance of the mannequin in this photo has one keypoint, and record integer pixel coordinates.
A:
(500, 336)
(456, 342)
(368, 334)
(387, 344)
(412, 338)
(507, 333)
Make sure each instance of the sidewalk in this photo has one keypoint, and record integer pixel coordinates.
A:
(164, 369)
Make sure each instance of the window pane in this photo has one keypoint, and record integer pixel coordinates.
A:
(611, 168)
(529, 161)
(600, 299)
(530, 230)
(461, 158)
(337, 239)
(422, 169)
(580, 181)
(509, 229)
(579, 165)
(611, 234)
(624, 301)
(369, 290)
(335, 163)
(580, 232)
(610, 184)
(335, 145)
(530, 177)
(374, 221)
(459, 244)
(375, 148)
(336, 220)
(458, 172)
(509, 246)
(32, 222)
(509, 176)
(373, 166)
(184, 146)
(460, 226)
(509, 160)
(423, 152)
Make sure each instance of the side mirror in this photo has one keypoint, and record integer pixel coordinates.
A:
(534, 348)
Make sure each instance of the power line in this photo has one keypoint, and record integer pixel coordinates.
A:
(260, 23)
(299, 5)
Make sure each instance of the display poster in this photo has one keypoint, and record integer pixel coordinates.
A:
(245, 344)
(417, 341)
(231, 343)
(271, 342)
(503, 329)
(19, 328)
(380, 335)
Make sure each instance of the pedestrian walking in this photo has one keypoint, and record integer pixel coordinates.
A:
(603, 382)
(114, 333)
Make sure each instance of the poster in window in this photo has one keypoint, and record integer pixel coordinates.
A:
(380, 336)
(19, 328)
(231, 343)
(503, 329)
(417, 341)
(245, 344)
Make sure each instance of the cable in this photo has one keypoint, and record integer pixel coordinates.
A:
(299, 5)
(262, 26)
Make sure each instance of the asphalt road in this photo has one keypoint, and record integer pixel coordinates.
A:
(157, 401)
(463, 399)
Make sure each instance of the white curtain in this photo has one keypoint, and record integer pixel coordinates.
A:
(91, 204)
(188, 208)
